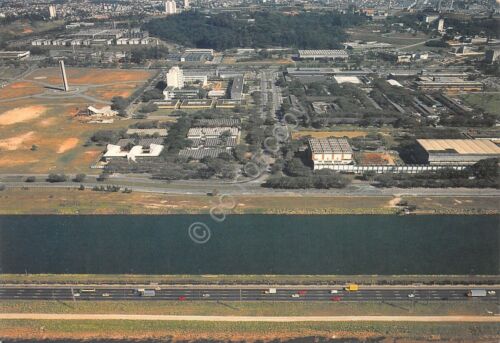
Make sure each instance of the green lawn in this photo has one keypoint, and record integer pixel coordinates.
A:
(489, 102)
(250, 308)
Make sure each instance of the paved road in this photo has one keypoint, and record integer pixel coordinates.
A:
(243, 294)
(274, 319)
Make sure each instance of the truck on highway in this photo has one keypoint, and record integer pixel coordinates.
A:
(476, 293)
(352, 287)
(270, 291)
(146, 292)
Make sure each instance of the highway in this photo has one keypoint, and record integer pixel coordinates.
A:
(242, 294)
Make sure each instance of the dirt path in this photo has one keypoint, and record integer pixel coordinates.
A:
(144, 317)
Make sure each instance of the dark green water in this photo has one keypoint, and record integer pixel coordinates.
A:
(251, 244)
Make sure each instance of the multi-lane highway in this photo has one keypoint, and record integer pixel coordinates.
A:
(243, 294)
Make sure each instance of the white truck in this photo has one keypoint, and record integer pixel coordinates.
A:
(477, 293)
(146, 292)
(270, 291)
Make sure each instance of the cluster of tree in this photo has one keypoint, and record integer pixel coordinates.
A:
(321, 179)
(311, 30)
(483, 174)
(108, 188)
(57, 178)
(176, 139)
(119, 104)
(153, 53)
(103, 137)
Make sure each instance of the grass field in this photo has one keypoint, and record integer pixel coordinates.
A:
(73, 201)
(50, 123)
(487, 102)
(187, 331)
(64, 201)
(247, 308)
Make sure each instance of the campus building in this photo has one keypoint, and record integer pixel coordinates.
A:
(456, 151)
(327, 152)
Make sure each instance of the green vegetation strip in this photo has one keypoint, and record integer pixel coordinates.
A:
(142, 329)
(248, 279)
(250, 308)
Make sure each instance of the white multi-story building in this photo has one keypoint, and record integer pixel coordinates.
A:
(52, 12)
(186, 4)
(175, 78)
(170, 7)
(441, 25)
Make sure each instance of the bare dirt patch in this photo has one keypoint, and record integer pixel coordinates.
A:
(21, 114)
(19, 89)
(374, 158)
(68, 144)
(91, 76)
(14, 143)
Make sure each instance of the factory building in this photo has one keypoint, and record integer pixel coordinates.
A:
(237, 88)
(323, 54)
(327, 152)
(455, 151)
(14, 55)
(448, 84)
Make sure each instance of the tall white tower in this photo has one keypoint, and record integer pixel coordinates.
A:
(170, 7)
(52, 12)
(63, 74)
(186, 5)
(175, 78)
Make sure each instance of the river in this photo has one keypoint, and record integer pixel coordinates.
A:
(250, 244)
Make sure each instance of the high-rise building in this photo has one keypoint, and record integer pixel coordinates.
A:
(52, 12)
(186, 4)
(175, 78)
(441, 25)
(170, 7)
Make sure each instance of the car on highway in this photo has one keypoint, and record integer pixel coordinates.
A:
(205, 295)
(337, 298)
(302, 292)
(182, 298)
(411, 295)
(295, 295)
(76, 294)
(492, 292)
(106, 294)
(334, 291)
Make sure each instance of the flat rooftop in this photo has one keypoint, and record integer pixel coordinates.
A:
(329, 145)
(460, 146)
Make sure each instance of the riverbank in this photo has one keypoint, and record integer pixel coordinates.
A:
(75, 202)
(235, 280)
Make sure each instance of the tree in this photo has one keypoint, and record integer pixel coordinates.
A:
(57, 178)
(118, 103)
(79, 177)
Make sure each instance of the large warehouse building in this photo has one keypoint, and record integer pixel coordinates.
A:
(457, 151)
(323, 54)
(326, 152)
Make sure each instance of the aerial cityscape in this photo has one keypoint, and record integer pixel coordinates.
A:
(249, 171)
